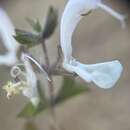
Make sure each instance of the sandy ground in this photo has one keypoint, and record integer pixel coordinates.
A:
(98, 38)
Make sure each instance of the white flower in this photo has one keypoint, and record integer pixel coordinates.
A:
(31, 91)
(7, 32)
(105, 75)
(27, 82)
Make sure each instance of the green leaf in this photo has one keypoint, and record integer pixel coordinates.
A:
(70, 88)
(51, 23)
(28, 111)
(36, 26)
(26, 38)
(32, 111)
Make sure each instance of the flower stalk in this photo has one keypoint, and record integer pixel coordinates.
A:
(53, 123)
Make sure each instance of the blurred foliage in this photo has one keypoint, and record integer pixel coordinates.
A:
(30, 125)
(30, 39)
(30, 110)
(69, 89)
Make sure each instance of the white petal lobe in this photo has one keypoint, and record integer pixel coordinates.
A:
(105, 75)
(6, 35)
(31, 91)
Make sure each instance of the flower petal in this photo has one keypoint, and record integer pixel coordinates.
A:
(72, 16)
(8, 59)
(104, 75)
(6, 34)
(31, 91)
(79, 71)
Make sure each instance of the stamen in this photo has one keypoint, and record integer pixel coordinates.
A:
(14, 88)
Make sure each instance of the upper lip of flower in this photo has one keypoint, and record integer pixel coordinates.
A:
(73, 14)
(70, 18)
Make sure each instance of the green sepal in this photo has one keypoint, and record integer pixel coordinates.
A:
(27, 39)
(36, 26)
(51, 23)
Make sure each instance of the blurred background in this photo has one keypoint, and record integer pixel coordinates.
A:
(98, 38)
